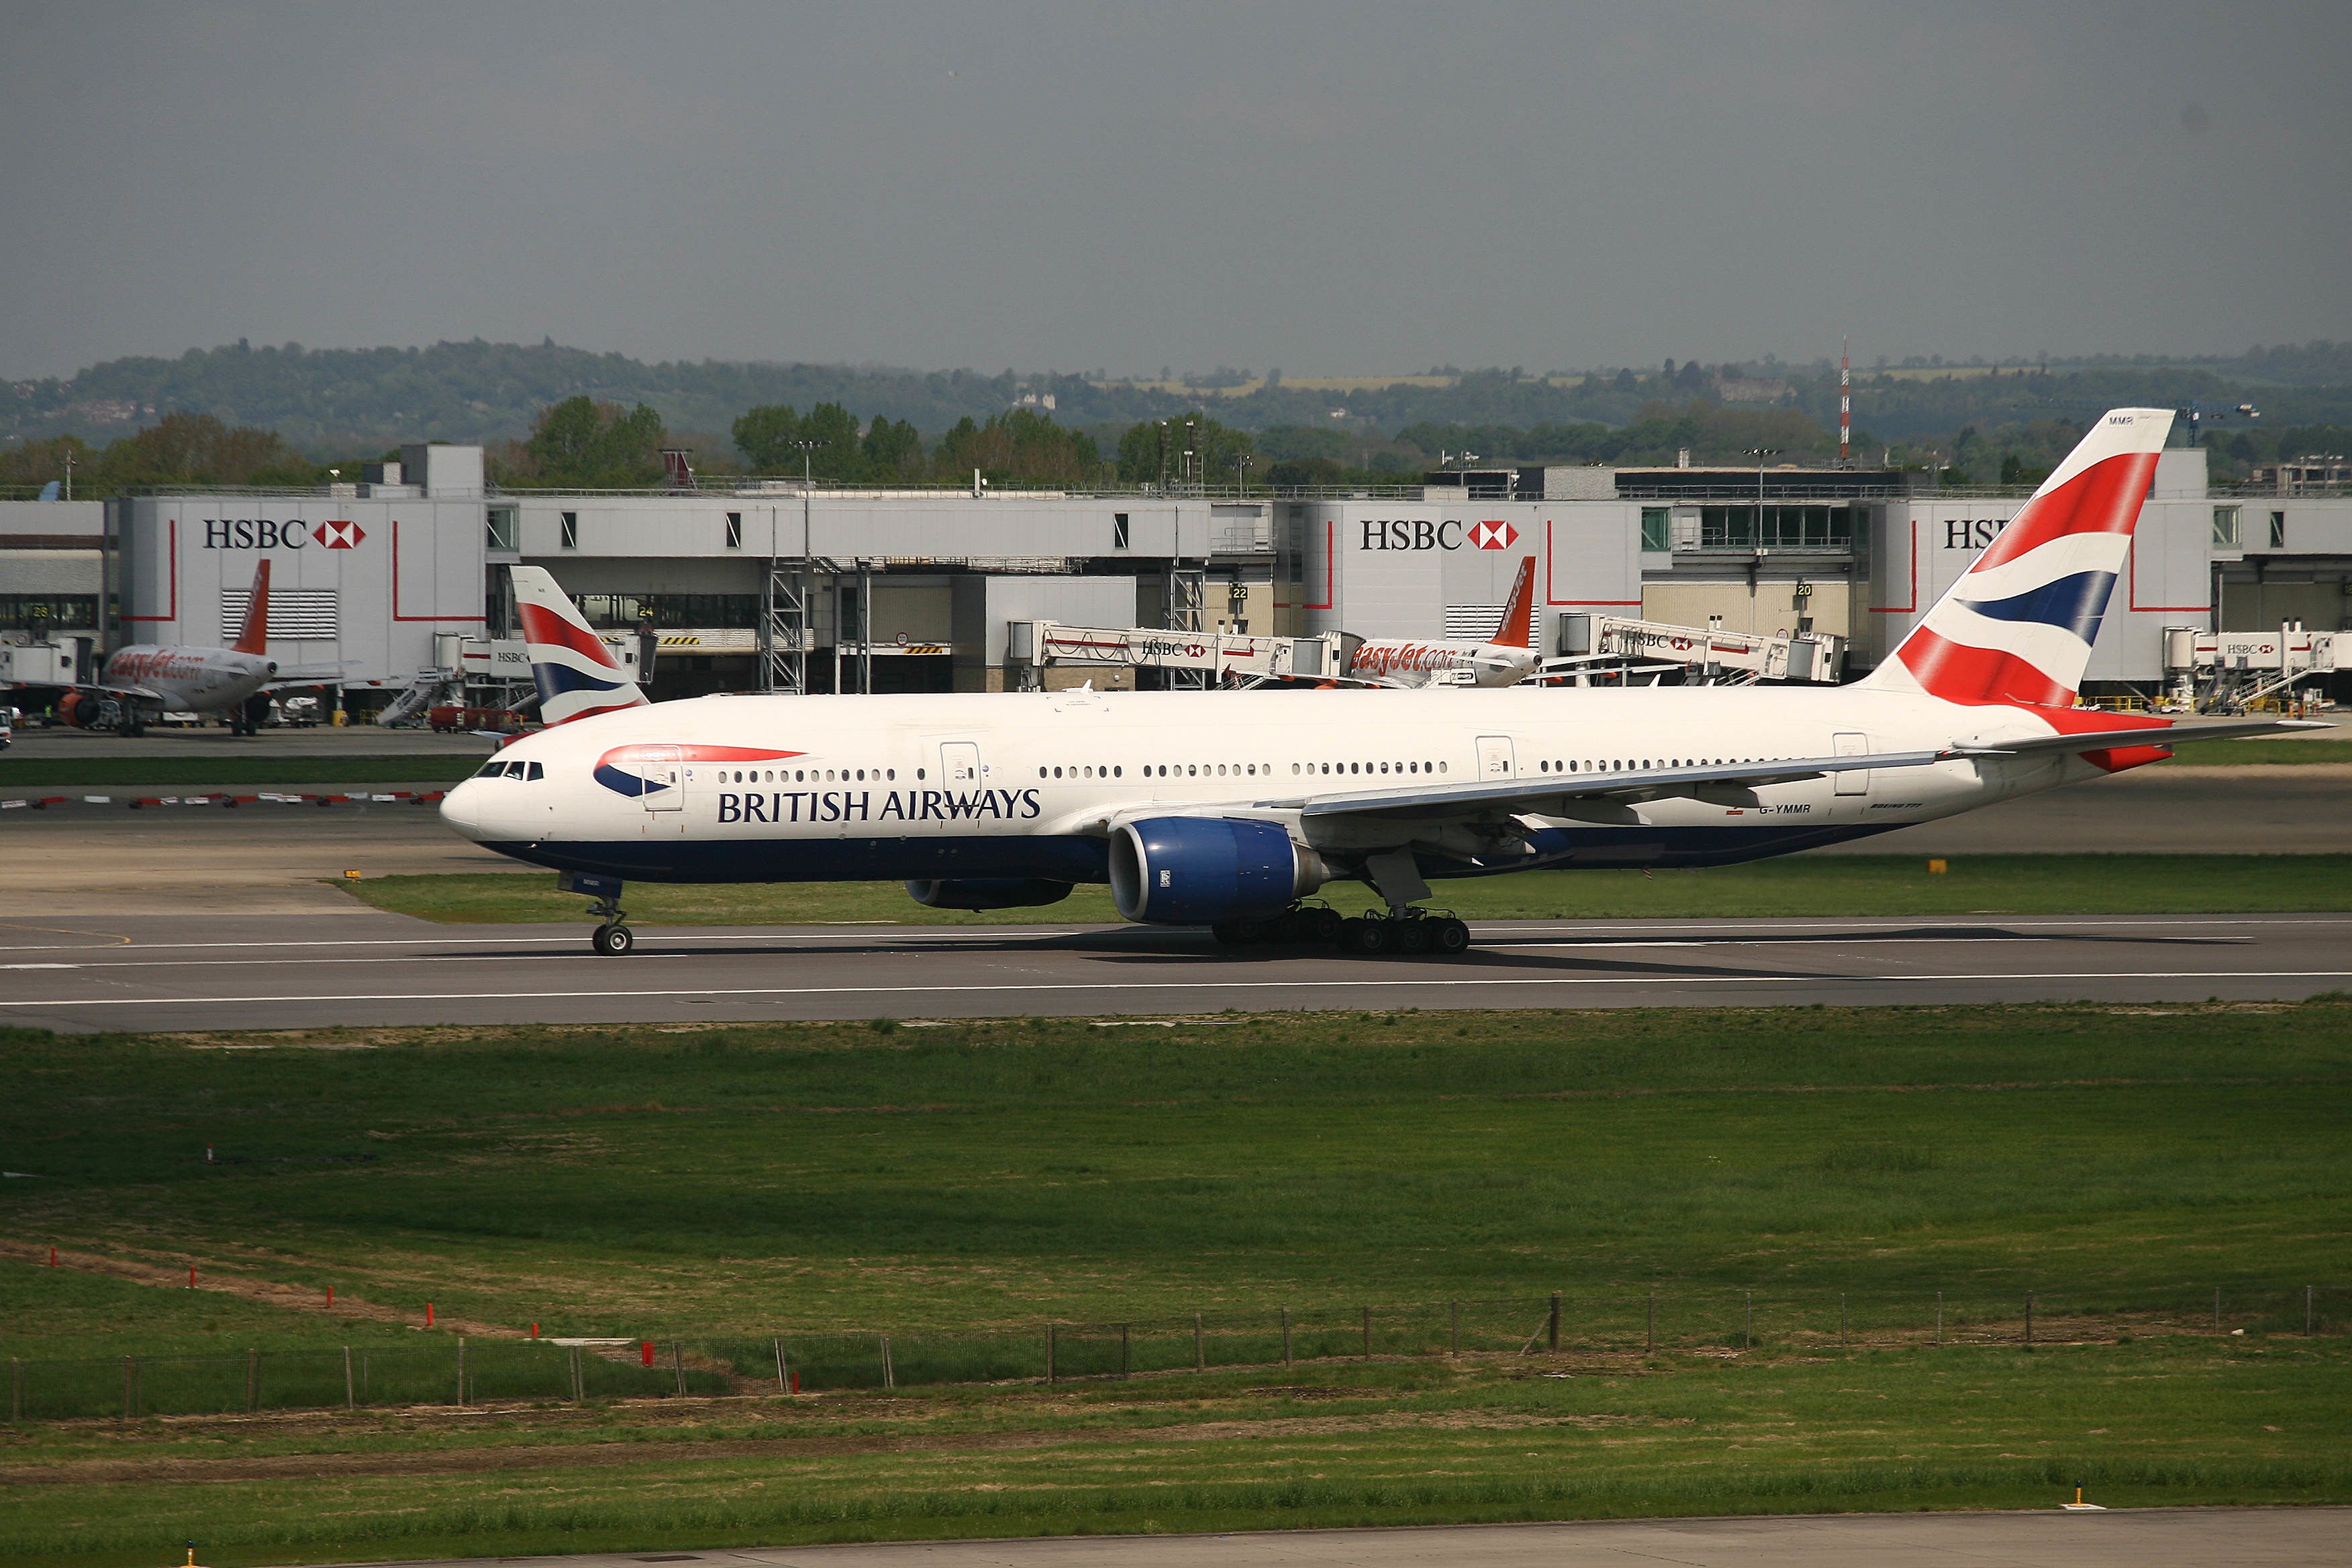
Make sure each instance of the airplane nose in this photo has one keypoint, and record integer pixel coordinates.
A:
(461, 809)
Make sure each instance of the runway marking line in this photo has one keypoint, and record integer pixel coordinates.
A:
(1361, 985)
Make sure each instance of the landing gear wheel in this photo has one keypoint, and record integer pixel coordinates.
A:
(1364, 936)
(1236, 933)
(1289, 928)
(1449, 936)
(1322, 924)
(613, 940)
(1410, 936)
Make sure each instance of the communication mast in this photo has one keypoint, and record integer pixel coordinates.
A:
(1845, 403)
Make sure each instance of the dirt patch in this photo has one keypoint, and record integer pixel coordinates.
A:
(588, 1456)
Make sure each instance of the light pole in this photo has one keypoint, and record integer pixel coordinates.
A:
(807, 628)
(1759, 454)
(1241, 462)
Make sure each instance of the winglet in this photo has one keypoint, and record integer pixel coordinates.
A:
(574, 672)
(1518, 629)
(255, 636)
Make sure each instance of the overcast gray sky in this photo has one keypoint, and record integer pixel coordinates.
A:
(1331, 188)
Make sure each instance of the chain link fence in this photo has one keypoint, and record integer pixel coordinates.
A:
(461, 1370)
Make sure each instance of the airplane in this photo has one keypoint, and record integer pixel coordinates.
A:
(1504, 660)
(173, 678)
(1230, 809)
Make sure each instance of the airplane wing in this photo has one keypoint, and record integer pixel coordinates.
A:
(1735, 783)
(2143, 735)
(142, 693)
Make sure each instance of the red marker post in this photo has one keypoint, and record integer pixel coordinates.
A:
(428, 1314)
(192, 1276)
(331, 1295)
(646, 1352)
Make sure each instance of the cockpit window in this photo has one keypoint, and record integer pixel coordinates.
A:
(492, 770)
(534, 771)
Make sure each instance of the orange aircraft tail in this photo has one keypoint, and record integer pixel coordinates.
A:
(1518, 629)
(254, 638)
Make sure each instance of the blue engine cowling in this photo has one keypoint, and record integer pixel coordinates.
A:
(1193, 870)
(987, 893)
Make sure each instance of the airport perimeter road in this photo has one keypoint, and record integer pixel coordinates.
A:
(218, 971)
(2137, 1537)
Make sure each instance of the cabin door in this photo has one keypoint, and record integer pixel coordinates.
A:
(1854, 780)
(1495, 760)
(665, 776)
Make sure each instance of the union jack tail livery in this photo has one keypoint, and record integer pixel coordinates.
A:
(1518, 629)
(2018, 629)
(575, 673)
(254, 636)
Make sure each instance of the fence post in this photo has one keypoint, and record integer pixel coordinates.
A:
(579, 1377)
(2306, 1312)
(1286, 1336)
(1747, 1324)
(782, 1386)
(2217, 1309)
(1368, 1334)
(1458, 1328)
(1940, 1317)
(461, 1369)
(677, 1366)
(1653, 1323)
(1200, 1346)
(1553, 1328)
(129, 1394)
(1050, 1331)
(889, 1372)
(2029, 1316)
(16, 1388)
(350, 1389)
(1840, 1317)
(1122, 1352)
(252, 1381)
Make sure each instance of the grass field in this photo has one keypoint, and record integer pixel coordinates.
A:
(258, 768)
(675, 1181)
(695, 1181)
(1843, 886)
(2282, 752)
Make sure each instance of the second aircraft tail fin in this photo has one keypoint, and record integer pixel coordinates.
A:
(1518, 629)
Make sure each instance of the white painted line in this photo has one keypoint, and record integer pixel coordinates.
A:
(904, 990)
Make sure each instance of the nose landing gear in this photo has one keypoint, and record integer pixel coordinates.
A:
(612, 938)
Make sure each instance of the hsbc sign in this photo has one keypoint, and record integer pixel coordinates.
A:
(1422, 533)
(263, 533)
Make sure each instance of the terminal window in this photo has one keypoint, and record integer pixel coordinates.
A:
(504, 530)
(2225, 528)
(734, 530)
(571, 530)
(1654, 527)
(1782, 527)
(2278, 531)
(1119, 531)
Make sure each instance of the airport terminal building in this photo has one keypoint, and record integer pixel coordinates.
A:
(915, 590)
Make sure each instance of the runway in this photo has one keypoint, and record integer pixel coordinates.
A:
(274, 972)
(2135, 1538)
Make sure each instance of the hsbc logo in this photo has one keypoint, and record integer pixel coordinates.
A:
(1423, 533)
(1494, 535)
(263, 533)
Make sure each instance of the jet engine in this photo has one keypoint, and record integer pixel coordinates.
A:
(987, 893)
(1195, 871)
(80, 709)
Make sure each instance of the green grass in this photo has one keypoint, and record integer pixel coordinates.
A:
(2294, 752)
(255, 768)
(1830, 885)
(696, 1181)
(823, 1178)
(2148, 1423)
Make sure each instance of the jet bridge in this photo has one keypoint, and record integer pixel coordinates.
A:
(1607, 647)
(2230, 672)
(1031, 646)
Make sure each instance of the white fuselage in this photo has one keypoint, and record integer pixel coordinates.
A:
(1408, 663)
(837, 788)
(193, 679)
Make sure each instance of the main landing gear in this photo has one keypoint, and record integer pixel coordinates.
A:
(611, 939)
(1406, 933)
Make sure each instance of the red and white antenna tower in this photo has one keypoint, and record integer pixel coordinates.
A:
(1845, 403)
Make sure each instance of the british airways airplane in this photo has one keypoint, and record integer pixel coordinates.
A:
(1229, 809)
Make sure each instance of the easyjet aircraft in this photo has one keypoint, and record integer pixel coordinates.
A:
(167, 677)
(1229, 808)
(1504, 660)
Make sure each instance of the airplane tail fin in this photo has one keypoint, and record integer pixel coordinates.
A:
(1518, 629)
(575, 673)
(2018, 626)
(255, 636)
